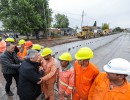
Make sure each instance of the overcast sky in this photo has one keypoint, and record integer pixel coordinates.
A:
(114, 12)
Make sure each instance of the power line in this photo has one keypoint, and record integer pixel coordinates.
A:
(65, 12)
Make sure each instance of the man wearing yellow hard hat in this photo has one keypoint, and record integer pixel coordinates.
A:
(85, 73)
(12, 41)
(36, 47)
(49, 68)
(65, 76)
(22, 50)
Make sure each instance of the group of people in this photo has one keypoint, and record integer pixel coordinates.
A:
(36, 71)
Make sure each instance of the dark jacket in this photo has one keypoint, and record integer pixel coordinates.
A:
(10, 63)
(28, 89)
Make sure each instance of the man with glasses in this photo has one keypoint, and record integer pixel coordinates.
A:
(10, 65)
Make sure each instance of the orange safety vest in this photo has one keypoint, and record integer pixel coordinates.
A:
(21, 55)
(2, 46)
(66, 80)
(100, 89)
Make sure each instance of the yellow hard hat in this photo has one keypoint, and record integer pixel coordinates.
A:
(22, 42)
(36, 47)
(84, 53)
(66, 56)
(46, 51)
(9, 40)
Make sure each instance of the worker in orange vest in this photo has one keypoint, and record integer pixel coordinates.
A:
(28, 45)
(65, 77)
(112, 84)
(85, 73)
(49, 68)
(22, 50)
(2, 45)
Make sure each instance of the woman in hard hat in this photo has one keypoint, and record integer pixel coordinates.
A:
(85, 73)
(65, 77)
(112, 84)
(49, 68)
(22, 50)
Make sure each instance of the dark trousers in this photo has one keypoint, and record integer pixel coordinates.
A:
(8, 78)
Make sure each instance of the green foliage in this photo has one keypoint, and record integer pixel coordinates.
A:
(118, 29)
(61, 21)
(25, 16)
(95, 24)
(105, 26)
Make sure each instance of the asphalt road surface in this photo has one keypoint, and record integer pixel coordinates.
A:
(119, 48)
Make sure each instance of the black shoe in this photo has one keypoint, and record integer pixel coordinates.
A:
(10, 93)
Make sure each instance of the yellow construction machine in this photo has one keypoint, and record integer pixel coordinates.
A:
(85, 33)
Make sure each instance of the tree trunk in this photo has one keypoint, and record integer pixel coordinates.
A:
(27, 36)
(37, 35)
(45, 34)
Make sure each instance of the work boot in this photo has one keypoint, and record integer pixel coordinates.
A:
(10, 93)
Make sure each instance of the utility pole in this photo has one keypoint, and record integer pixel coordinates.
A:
(82, 19)
(45, 20)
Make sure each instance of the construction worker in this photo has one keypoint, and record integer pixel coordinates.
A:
(22, 50)
(36, 47)
(112, 84)
(28, 45)
(65, 77)
(2, 45)
(12, 41)
(85, 73)
(49, 68)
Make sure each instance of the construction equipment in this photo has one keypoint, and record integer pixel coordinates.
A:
(86, 33)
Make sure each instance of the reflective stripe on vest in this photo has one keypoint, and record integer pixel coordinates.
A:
(70, 87)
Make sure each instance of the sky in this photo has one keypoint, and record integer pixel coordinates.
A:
(114, 12)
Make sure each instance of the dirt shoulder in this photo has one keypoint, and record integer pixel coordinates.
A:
(56, 41)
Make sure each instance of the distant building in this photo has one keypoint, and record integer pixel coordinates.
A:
(54, 30)
(68, 31)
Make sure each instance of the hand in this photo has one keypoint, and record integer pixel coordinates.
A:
(39, 82)
(42, 79)
(40, 68)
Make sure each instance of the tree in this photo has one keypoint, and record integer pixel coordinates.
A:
(118, 29)
(95, 24)
(105, 26)
(61, 21)
(25, 16)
